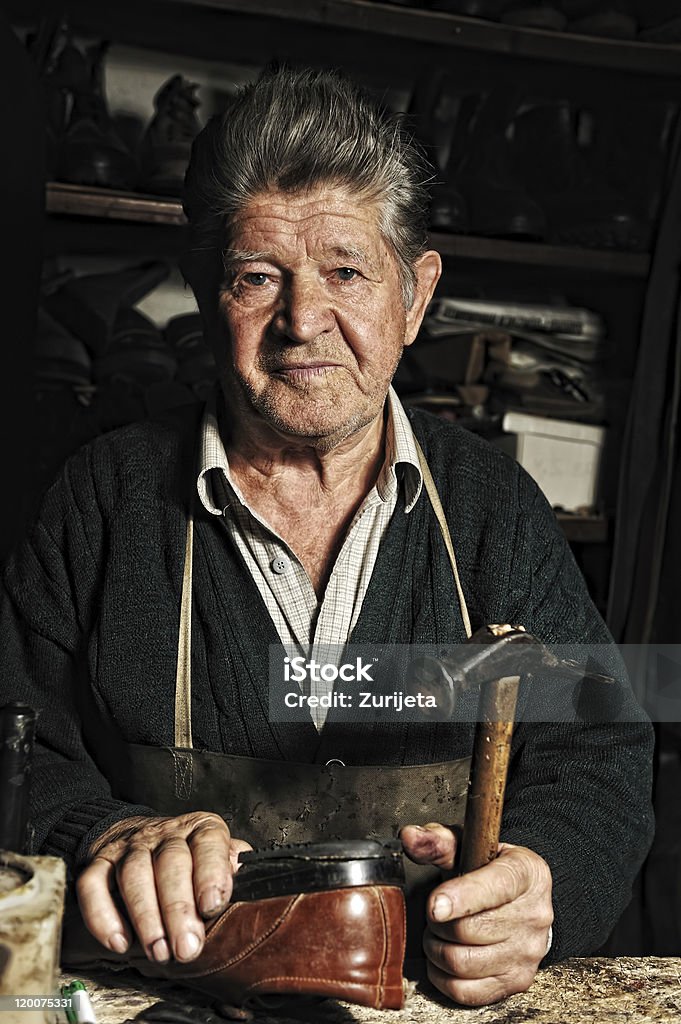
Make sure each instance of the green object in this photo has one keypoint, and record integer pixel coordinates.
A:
(68, 990)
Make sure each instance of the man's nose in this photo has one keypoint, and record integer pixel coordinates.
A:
(306, 311)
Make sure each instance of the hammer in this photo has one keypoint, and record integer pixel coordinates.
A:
(485, 660)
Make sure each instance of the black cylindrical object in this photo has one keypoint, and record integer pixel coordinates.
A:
(17, 730)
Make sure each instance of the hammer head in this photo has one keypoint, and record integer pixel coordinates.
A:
(492, 652)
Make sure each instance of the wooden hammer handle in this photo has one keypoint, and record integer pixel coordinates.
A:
(489, 768)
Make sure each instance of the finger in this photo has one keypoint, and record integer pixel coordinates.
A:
(237, 846)
(174, 874)
(211, 849)
(137, 886)
(429, 844)
(463, 961)
(481, 991)
(98, 908)
(483, 929)
(501, 881)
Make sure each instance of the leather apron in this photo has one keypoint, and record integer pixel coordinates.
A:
(269, 803)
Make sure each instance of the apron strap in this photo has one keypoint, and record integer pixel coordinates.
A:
(183, 718)
(183, 688)
(429, 484)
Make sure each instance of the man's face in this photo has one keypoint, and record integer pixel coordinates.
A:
(311, 318)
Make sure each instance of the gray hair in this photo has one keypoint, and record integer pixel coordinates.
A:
(292, 130)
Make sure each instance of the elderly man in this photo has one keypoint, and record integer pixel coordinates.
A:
(297, 507)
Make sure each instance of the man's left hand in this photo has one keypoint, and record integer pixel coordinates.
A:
(488, 930)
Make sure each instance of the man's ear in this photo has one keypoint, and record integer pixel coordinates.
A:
(428, 268)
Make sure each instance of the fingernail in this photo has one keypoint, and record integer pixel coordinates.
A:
(210, 902)
(160, 951)
(188, 946)
(442, 909)
(118, 943)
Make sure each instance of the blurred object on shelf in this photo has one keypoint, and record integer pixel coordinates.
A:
(496, 355)
(137, 352)
(572, 321)
(545, 387)
(511, 165)
(563, 457)
(88, 305)
(90, 151)
(436, 362)
(463, 406)
(659, 20)
(535, 15)
(62, 413)
(482, 162)
(571, 334)
(196, 368)
(668, 32)
(97, 360)
(113, 357)
(486, 9)
(47, 47)
(166, 145)
(597, 173)
(61, 360)
(613, 19)
(448, 209)
(433, 108)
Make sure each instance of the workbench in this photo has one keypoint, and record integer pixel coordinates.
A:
(624, 990)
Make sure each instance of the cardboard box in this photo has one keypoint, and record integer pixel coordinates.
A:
(563, 456)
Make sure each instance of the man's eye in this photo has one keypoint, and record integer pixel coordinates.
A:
(255, 278)
(346, 273)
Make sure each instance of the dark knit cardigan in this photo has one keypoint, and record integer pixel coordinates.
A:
(90, 610)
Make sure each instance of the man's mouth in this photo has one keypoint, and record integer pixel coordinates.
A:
(301, 373)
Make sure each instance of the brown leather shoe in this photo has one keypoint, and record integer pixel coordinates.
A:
(343, 943)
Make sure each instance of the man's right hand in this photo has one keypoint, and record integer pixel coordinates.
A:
(169, 873)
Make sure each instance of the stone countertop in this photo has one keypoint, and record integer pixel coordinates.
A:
(598, 990)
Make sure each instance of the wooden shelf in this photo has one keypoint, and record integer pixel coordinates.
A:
(365, 33)
(460, 32)
(606, 261)
(82, 201)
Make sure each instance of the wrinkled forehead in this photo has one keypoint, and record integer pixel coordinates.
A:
(329, 217)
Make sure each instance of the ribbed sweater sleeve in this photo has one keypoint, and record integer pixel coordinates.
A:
(579, 790)
(48, 599)
(579, 794)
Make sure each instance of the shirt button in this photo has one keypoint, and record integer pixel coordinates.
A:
(279, 565)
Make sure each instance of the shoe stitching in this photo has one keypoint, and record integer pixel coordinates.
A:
(380, 987)
(382, 970)
(242, 954)
(315, 979)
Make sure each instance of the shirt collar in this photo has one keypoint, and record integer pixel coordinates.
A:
(400, 451)
(212, 456)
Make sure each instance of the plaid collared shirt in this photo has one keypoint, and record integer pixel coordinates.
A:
(305, 625)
